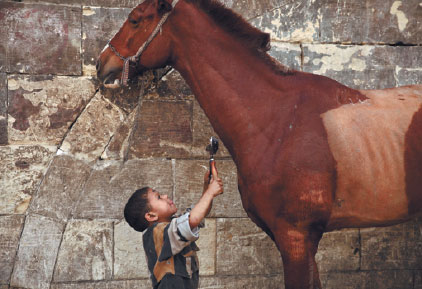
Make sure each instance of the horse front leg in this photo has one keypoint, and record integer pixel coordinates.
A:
(298, 248)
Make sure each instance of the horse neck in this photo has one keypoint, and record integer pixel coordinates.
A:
(229, 80)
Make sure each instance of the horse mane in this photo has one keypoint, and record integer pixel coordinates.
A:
(237, 26)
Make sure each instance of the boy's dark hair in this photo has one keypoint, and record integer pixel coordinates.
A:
(136, 208)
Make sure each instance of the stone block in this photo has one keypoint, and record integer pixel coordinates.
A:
(287, 54)
(400, 279)
(102, 3)
(61, 188)
(37, 253)
(274, 281)
(163, 130)
(21, 172)
(418, 280)
(42, 108)
(408, 69)
(99, 25)
(368, 280)
(364, 67)
(86, 252)
(125, 97)
(11, 228)
(170, 86)
(124, 284)
(3, 94)
(291, 21)
(339, 251)
(251, 9)
(371, 21)
(207, 244)
(53, 32)
(129, 255)
(3, 131)
(3, 109)
(241, 242)
(91, 133)
(392, 248)
(189, 185)
(330, 21)
(112, 183)
(117, 148)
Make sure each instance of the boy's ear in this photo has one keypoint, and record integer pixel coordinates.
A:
(151, 217)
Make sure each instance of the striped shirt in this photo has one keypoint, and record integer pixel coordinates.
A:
(171, 254)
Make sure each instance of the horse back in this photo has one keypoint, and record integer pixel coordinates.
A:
(377, 146)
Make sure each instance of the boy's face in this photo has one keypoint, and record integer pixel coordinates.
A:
(161, 206)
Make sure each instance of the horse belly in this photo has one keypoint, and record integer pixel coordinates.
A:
(367, 140)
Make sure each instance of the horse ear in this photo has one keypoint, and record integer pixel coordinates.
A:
(163, 6)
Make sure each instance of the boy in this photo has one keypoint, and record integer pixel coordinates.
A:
(169, 242)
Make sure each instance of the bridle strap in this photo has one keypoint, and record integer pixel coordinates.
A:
(135, 58)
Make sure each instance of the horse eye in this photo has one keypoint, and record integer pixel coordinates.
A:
(132, 21)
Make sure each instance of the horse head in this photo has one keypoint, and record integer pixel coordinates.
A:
(142, 43)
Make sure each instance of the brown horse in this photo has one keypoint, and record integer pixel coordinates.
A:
(312, 154)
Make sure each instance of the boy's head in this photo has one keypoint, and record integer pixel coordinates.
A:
(147, 206)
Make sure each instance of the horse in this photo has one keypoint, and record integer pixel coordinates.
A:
(312, 155)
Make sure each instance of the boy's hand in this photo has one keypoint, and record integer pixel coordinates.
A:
(216, 185)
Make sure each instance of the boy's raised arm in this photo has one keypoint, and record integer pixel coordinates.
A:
(202, 208)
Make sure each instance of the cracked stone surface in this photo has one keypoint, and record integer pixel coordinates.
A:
(61, 188)
(21, 172)
(244, 282)
(11, 228)
(129, 255)
(247, 244)
(365, 67)
(53, 31)
(86, 251)
(37, 253)
(3, 109)
(41, 108)
(339, 251)
(390, 248)
(376, 279)
(124, 284)
(112, 183)
(93, 129)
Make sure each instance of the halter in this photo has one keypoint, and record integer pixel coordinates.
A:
(135, 58)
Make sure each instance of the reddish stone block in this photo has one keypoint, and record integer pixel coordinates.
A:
(38, 38)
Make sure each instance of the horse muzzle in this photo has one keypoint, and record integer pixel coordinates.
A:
(110, 78)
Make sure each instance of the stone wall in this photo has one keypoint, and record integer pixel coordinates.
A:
(72, 154)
